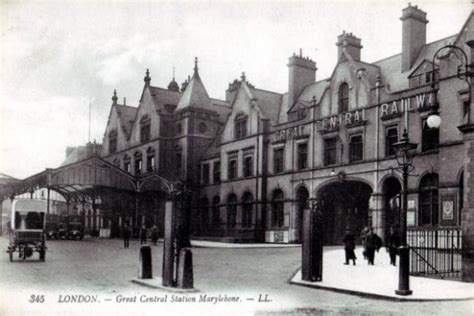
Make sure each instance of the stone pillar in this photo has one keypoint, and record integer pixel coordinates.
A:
(376, 205)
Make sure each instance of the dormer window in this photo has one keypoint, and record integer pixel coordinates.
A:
(112, 141)
(344, 98)
(240, 125)
(145, 128)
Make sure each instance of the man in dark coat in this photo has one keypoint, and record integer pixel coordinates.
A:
(126, 235)
(143, 233)
(393, 244)
(154, 234)
(349, 246)
(373, 243)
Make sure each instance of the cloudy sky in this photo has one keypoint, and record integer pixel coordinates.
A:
(58, 55)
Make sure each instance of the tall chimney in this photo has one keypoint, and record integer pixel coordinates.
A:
(413, 34)
(349, 43)
(302, 72)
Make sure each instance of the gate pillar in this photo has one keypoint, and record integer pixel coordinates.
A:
(169, 244)
(312, 254)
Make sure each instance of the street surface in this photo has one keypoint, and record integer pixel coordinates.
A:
(102, 270)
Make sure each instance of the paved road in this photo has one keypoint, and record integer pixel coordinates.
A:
(103, 268)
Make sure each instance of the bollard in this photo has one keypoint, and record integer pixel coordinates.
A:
(185, 269)
(145, 268)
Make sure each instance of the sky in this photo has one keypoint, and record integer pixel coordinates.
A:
(57, 57)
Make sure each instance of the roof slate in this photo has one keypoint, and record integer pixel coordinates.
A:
(162, 97)
(126, 116)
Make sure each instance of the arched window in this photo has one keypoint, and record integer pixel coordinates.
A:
(247, 209)
(138, 162)
(216, 211)
(150, 159)
(145, 128)
(240, 125)
(204, 214)
(428, 200)
(343, 97)
(126, 163)
(112, 141)
(277, 208)
(231, 210)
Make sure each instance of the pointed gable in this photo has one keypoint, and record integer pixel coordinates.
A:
(195, 95)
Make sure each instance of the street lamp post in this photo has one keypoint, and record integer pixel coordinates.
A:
(405, 149)
(404, 158)
(464, 72)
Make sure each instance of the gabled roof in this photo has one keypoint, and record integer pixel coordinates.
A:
(390, 67)
(195, 94)
(464, 29)
(222, 108)
(162, 97)
(126, 115)
(5, 177)
(268, 102)
(421, 68)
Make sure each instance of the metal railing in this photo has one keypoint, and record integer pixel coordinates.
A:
(435, 251)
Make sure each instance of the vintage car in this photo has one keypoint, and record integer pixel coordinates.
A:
(51, 229)
(27, 227)
(75, 230)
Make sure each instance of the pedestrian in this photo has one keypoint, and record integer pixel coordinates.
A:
(393, 244)
(143, 233)
(372, 244)
(154, 234)
(349, 246)
(126, 236)
(363, 238)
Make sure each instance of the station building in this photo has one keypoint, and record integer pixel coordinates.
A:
(255, 160)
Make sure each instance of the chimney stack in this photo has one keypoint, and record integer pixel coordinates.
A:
(413, 34)
(350, 43)
(302, 72)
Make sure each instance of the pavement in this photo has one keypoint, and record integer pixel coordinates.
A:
(259, 277)
(214, 244)
(381, 280)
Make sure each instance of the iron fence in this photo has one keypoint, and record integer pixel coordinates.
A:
(435, 251)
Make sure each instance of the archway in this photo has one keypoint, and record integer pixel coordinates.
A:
(302, 196)
(391, 189)
(345, 204)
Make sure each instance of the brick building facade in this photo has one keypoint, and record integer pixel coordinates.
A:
(255, 159)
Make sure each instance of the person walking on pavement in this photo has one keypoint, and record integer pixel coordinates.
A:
(363, 238)
(393, 244)
(373, 243)
(349, 246)
(154, 234)
(143, 233)
(126, 236)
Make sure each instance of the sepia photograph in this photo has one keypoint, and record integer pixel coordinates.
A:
(236, 157)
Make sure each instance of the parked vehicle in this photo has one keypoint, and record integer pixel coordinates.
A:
(51, 229)
(74, 227)
(27, 224)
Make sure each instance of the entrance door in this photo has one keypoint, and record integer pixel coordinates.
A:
(344, 204)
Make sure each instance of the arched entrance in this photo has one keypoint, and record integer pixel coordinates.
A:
(391, 189)
(302, 196)
(344, 204)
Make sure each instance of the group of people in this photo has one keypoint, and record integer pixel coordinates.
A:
(127, 232)
(372, 243)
